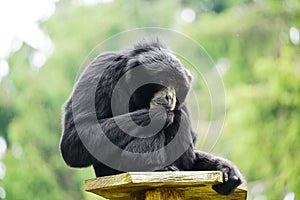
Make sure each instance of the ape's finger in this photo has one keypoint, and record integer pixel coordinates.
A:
(225, 188)
(225, 171)
(228, 187)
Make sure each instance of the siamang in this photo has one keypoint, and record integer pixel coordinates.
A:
(128, 112)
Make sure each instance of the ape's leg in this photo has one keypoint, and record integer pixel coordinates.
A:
(104, 170)
(231, 175)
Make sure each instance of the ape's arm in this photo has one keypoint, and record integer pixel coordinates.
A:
(74, 151)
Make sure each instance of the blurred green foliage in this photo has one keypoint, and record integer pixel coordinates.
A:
(262, 126)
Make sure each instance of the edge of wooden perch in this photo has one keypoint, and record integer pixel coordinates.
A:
(190, 184)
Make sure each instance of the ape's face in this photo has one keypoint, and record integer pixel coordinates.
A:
(165, 97)
(168, 82)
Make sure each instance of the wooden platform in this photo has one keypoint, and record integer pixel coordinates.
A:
(178, 185)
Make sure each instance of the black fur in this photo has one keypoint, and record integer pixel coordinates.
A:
(159, 65)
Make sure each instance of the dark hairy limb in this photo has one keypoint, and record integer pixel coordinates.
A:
(75, 153)
(231, 175)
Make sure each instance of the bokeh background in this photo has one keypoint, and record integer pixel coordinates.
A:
(254, 43)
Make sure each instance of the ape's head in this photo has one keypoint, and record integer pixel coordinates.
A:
(151, 71)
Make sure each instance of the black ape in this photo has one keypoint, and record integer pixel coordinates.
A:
(111, 117)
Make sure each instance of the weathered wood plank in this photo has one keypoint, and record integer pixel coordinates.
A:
(163, 194)
(184, 185)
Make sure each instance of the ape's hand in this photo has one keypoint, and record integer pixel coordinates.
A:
(232, 178)
(165, 97)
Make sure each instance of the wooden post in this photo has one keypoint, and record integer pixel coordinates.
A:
(162, 186)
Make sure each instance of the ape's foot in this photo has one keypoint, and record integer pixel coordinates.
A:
(165, 97)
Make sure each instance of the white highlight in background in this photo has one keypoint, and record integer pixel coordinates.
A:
(294, 35)
(3, 146)
(188, 15)
(38, 59)
(92, 2)
(2, 193)
(222, 66)
(4, 70)
(289, 196)
(21, 24)
(2, 170)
